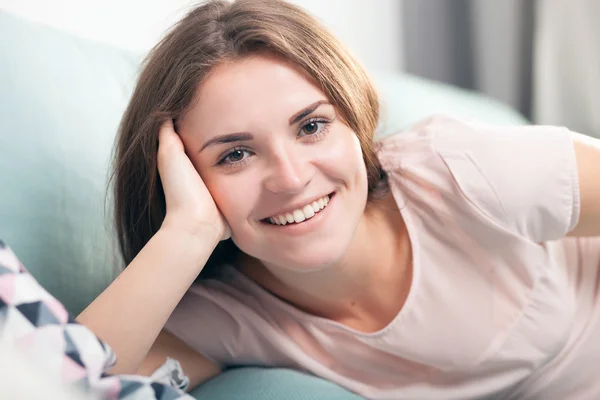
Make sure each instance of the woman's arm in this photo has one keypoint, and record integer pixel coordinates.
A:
(131, 312)
(587, 151)
(194, 365)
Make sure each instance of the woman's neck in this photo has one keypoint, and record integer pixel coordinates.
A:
(369, 285)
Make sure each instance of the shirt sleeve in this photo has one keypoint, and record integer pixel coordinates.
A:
(206, 321)
(523, 177)
(222, 323)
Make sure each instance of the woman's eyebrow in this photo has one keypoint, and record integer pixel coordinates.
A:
(245, 136)
(227, 138)
(306, 111)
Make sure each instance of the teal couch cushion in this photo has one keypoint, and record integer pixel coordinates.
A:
(62, 98)
(253, 383)
(406, 99)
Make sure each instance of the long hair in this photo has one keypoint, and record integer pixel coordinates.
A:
(210, 34)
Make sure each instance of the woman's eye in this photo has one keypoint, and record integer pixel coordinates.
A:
(312, 127)
(236, 155)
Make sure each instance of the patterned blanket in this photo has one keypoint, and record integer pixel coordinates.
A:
(39, 329)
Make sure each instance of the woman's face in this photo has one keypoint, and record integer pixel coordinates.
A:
(271, 149)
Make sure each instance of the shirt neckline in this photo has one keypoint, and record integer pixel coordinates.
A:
(321, 321)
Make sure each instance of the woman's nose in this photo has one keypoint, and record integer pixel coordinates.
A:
(288, 173)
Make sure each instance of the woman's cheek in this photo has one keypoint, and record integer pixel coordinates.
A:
(232, 197)
(342, 153)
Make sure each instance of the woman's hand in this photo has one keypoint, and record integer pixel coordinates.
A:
(190, 207)
(132, 310)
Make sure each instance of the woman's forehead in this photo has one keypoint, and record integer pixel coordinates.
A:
(250, 90)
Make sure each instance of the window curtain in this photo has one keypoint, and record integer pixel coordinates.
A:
(541, 57)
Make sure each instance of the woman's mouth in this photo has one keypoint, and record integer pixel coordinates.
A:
(301, 214)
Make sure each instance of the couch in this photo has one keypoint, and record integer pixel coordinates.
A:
(61, 100)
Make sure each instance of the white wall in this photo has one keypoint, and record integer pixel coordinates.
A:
(566, 88)
(371, 29)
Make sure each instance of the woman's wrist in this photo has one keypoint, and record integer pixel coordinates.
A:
(186, 230)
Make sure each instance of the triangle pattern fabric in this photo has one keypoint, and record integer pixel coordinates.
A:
(3, 314)
(74, 355)
(18, 324)
(72, 371)
(130, 387)
(8, 283)
(30, 311)
(69, 344)
(46, 316)
(40, 328)
(9, 260)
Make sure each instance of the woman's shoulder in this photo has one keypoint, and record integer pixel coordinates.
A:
(519, 177)
(402, 147)
(428, 130)
(430, 166)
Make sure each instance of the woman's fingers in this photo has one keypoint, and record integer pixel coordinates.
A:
(189, 203)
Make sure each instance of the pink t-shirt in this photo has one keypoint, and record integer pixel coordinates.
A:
(501, 304)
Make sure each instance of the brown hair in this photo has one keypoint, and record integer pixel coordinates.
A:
(208, 35)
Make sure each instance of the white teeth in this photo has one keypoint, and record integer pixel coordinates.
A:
(315, 206)
(308, 211)
(299, 215)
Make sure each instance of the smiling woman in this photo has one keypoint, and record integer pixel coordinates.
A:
(433, 264)
(284, 153)
(333, 90)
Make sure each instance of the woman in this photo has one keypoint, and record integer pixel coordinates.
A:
(431, 265)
